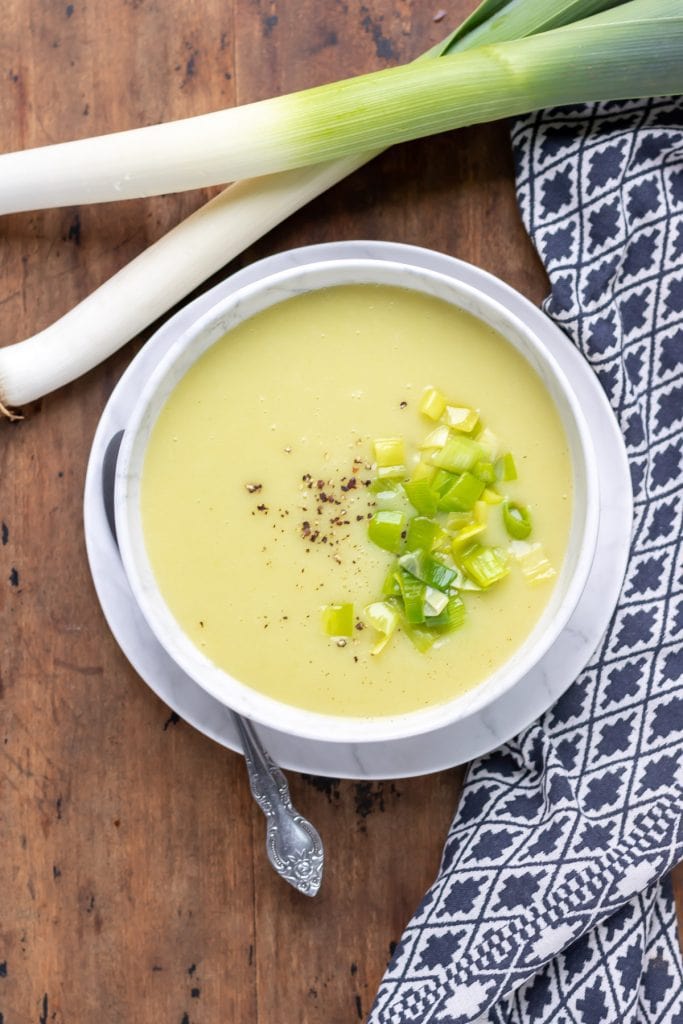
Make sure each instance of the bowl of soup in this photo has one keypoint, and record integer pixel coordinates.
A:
(357, 500)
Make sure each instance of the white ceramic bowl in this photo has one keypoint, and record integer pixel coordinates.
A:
(208, 329)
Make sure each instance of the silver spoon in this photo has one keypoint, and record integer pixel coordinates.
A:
(293, 845)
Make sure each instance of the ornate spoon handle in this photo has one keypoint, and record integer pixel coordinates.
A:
(294, 847)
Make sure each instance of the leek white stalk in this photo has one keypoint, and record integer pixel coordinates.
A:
(632, 51)
(156, 279)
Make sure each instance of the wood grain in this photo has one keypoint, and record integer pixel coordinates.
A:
(134, 880)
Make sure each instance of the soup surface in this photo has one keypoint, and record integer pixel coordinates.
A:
(251, 525)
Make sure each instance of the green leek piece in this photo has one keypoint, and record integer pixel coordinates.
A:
(463, 420)
(458, 521)
(421, 534)
(385, 529)
(484, 565)
(429, 570)
(413, 593)
(532, 561)
(390, 457)
(485, 471)
(380, 486)
(384, 617)
(421, 496)
(481, 510)
(441, 481)
(463, 582)
(442, 540)
(464, 536)
(389, 451)
(391, 472)
(338, 619)
(458, 454)
(423, 471)
(506, 468)
(477, 516)
(435, 438)
(420, 637)
(491, 496)
(490, 444)
(389, 494)
(452, 617)
(432, 403)
(391, 586)
(435, 603)
(517, 519)
(461, 495)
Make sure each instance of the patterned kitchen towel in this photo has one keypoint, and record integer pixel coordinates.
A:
(552, 901)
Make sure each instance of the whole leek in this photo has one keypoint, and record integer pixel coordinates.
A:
(162, 275)
(631, 51)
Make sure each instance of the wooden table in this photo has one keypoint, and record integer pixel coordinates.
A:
(134, 880)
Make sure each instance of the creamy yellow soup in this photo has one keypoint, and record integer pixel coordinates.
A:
(252, 527)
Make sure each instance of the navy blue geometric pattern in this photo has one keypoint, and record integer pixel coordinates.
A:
(552, 901)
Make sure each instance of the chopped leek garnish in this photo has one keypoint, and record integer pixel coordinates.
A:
(506, 468)
(485, 471)
(461, 494)
(432, 403)
(389, 451)
(532, 561)
(481, 511)
(413, 592)
(441, 481)
(464, 536)
(464, 525)
(458, 521)
(421, 496)
(338, 619)
(517, 519)
(421, 533)
(390, 457)
(383, 617)
(428, 570)
(452, 616)
(436, 438)
(436, 520)
(385, 529)
(389, 494)
(491, 497)
(464, 420)
(423, 471)
(391, 587)
(458, 454)
(391, 472)
(435, 603)
(423, 639)
(490, 444)
(484, 565)
(442, 539)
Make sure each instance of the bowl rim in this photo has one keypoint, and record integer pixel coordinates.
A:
(239, 696)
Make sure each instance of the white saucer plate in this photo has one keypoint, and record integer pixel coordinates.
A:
(418, 755)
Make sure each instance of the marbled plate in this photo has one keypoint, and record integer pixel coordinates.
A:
(417, 755)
